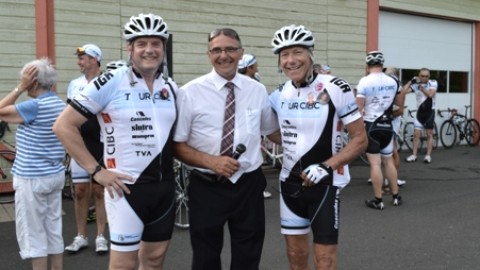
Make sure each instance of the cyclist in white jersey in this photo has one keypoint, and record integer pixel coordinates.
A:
(135, 106)
(376, 96)
(89, 58)
(425, 91)
(312, 110)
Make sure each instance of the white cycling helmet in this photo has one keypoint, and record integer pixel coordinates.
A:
(292, 36)
(374, 58)
(115, 64)
(246, 61)
(146, 25)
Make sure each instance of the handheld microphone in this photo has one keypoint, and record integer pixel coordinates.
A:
(239, 150)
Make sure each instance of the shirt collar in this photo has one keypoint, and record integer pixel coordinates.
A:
(220, 82)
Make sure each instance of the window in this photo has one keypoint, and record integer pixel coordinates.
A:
(458, 82)
(448, 81)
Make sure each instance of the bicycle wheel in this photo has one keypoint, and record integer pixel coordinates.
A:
(472, 132)
(8, 197)
(408, 134)
(68, 188)
(7, 193)
(364, 158)
(448, 134)
(399, 142)
(181, 196)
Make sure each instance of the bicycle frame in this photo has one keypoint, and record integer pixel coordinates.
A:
(274, 153)
(467, 128)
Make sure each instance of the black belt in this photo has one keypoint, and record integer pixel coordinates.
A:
(208, 177)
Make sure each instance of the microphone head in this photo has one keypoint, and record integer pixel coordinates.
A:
(241, 148)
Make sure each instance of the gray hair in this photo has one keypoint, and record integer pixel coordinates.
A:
(47, 74)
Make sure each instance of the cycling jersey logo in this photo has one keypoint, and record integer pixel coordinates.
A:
(339, 126)
(142, 127)
(323, 98)
(164, 94)
(106, 118)
(102, 80)
(287, 124)
(314, 97)
(141, 117)
(111, 164)
(342, 84)
(319, 87)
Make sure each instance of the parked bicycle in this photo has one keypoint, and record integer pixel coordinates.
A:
(346, 139)
(458, 127)
(272, 153)
(409, 135)
(7, 156)
(399, 139)
(181, 183)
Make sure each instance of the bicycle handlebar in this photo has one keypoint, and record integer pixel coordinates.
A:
(453, 112)
(410, 113)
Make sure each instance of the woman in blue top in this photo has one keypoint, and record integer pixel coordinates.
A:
(38, 172)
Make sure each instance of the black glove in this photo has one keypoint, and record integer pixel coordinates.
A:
(413, 80)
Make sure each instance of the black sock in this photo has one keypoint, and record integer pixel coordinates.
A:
(378, 199)
(395, 196)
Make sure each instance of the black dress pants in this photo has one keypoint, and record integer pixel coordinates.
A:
(241, 205)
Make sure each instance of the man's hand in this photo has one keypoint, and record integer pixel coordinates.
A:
(113, 182)
(413, 80)
(317, 172)
(225, 166)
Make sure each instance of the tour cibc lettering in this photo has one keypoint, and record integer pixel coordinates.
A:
(146, 96)
(102, 80)
(110, 140)
(303, 105)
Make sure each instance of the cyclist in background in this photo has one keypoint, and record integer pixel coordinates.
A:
(326, 69)
(425, 91)
(312, 110)
(135, 106)
(376, 97)
(113, 65)
(248, 66)
(317, 68)
(397, 119)
(89, 59)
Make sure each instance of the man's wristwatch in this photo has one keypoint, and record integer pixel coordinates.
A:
(97, 169)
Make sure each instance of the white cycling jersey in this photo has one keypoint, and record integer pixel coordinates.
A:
(311, 120)
(379, 91)
(136, 124)
(431, 85)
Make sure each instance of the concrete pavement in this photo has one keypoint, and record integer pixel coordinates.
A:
(437, 227)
